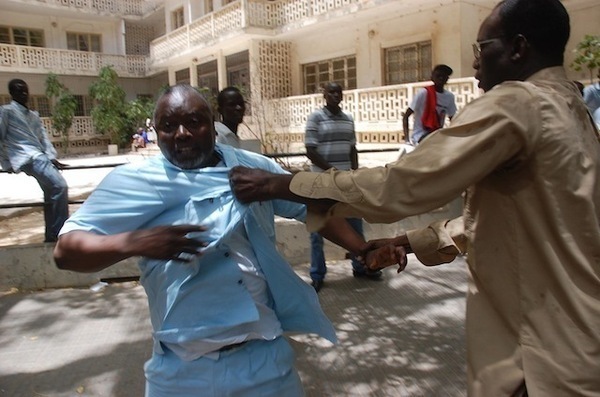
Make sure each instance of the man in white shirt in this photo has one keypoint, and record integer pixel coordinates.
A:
(425, 106)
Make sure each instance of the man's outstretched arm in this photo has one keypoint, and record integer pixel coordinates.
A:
(251, 184)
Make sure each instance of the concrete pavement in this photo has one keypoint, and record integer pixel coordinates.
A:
(403, 336)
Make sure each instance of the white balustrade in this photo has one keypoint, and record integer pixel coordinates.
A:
(377, 114)
(377, 109)
(116, 7)
(236, 16)
(46, 60)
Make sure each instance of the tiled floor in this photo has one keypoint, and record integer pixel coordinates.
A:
(403, 336)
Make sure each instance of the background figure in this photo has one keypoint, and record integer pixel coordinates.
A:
(430, 107)
(528, 156)
(219, 293)
(231, 107)
(151, 131)
(330, 142)
(591, 95)
(138, 140)
(24, 146)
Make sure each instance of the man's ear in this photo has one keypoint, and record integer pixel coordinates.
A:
(520, 48)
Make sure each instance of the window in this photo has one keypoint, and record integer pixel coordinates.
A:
(238, 71)
(84, 105)
(208, 6)
(177, 18)
(182, 76)
(40, 104)
(340, 70)
(208, 77)
(22, 36)
(89, 42)
(408, 63)
(5, 99)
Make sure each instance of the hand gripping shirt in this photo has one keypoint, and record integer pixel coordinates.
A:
(528, 156)
(207, 298)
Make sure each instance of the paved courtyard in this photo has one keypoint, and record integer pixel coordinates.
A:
(403, 336)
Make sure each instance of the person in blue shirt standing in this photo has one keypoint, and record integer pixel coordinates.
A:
(24, 146)
(220, 295)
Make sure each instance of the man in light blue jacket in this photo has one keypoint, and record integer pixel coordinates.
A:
(220, 295)
(24, 146)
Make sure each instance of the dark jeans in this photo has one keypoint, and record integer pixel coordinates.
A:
(56, 194)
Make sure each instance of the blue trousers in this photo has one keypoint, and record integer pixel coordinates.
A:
(257, 368)
(56, 194)
(318, 267)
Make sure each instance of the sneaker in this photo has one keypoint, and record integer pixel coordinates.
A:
(317, 285)
(368, 274)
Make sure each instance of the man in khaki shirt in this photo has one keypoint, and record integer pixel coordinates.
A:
(528, 156)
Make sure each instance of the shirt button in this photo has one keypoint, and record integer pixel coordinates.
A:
(240, 282)
(227, 255)
(210, 200)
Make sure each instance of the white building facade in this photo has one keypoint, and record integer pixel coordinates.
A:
(279, 52)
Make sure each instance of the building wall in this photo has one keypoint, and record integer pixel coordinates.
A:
(56, 36)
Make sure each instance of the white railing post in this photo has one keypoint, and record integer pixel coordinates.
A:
(244, 12)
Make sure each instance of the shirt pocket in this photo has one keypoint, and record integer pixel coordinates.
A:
(215, 211)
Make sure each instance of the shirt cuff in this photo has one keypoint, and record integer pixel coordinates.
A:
(432, 245)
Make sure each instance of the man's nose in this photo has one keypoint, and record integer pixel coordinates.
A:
(476, 64)
(182, 132)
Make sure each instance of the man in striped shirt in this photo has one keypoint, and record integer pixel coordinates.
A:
(331, 143)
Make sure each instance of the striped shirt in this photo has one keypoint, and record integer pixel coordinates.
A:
(333, 136)
(22, 137)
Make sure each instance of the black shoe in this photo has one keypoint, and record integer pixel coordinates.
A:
(368, 274)
(317, 285)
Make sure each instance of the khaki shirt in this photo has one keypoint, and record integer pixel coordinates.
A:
(528, 156)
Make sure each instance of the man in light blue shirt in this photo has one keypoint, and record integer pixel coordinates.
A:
(219, 293)
(24, 146)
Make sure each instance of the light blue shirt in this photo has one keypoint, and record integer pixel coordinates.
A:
(23, 137)
(205, 298)
(591, 96)
(225, 135)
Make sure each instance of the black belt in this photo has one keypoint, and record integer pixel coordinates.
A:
(231, 347)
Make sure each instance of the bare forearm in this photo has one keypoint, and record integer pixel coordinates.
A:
(88, 252)
(339, 231)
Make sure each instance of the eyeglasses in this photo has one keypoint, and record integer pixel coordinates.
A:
(478, 44)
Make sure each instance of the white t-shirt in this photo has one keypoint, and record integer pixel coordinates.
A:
(446, 106)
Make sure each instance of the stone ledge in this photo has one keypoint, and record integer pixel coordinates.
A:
(31, 266)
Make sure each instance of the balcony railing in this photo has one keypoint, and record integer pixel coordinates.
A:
(374, 109)
(115, 7)
(377, 113)
(239, 15)
(46, 60)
